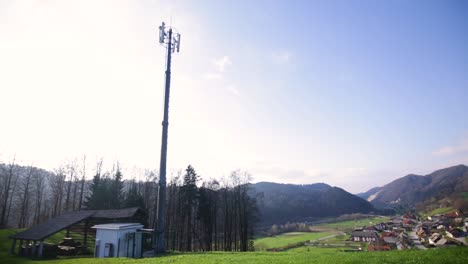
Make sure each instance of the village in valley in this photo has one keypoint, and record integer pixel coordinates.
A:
(441, 228)
(409, 231)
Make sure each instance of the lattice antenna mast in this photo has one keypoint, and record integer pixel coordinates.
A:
(170, 40)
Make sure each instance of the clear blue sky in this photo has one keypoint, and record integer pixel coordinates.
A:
(351, 93)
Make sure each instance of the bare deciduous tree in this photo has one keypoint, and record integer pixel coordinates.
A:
(83, 179)
(39, 182)
(25, 199)
(6, 192)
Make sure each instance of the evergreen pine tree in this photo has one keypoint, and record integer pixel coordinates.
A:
(133, 197)
(190, 195)
(92, 201)
(117, 191)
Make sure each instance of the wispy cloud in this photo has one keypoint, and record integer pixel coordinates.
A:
(213, 76)
(276, 173)
(282, 57)
(233, 89)
(352, 179)
(459, 148)
(222, 63)
(220, 68)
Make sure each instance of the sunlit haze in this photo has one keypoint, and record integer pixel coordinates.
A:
(350, 94)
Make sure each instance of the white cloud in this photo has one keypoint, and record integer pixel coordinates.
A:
(459, 148)
(213, 76)
(282, 57)
(222, 63)
(218, 74)
(351, 179)
(233, 89)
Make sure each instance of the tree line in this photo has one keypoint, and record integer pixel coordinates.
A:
(201, 215)
(30, 195)
(214, 216)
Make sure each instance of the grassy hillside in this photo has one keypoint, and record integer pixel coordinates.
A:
(448, 255)
(348, 226)
(443, 210)
(334, 233)
(301, 255)
(287, 239)
(5, 245)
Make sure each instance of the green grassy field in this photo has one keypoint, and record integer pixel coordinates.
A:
(335, 239)
(5, 244)
(464, 195)
(296, 255)
(287, 239)
(56, 238)
(448, 255)
(324, 230)
(442, 210)
(348, 226)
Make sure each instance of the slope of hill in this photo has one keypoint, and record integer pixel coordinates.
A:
(299, 256)
(413, 189)
(280, 203)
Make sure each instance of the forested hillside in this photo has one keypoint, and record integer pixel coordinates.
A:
(279, 203)
(30, 195)
(411, 190)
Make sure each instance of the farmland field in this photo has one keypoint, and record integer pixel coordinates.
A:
(348, 226)
(295, 255)
(448, 255)
(330, 233)
(442, 210)
(287, 239)
(464, 195)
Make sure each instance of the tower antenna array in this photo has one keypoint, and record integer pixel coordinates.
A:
(170, 40)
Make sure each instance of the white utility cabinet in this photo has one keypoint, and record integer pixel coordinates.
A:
(117, 240)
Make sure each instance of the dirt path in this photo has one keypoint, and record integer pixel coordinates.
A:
(327, 237)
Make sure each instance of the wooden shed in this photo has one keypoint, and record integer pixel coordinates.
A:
(31, 241)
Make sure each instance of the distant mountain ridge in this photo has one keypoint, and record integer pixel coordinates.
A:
(413, 189)
(279, 203)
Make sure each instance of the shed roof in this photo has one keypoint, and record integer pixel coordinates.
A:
(390, 240)
(53, 226)
(63, 221)
(118, 226)
(116, 213)
(364, 234)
